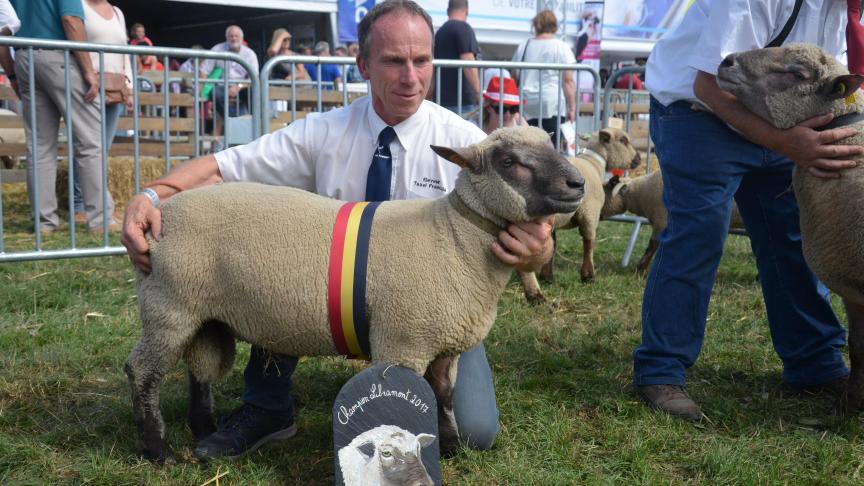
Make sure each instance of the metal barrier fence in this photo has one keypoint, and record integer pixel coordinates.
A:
(439, 64)
(26, 47)
(259, 106)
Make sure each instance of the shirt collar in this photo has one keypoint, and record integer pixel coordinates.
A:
(406, 131)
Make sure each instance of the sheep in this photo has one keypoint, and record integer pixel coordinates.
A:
(788, 85)
(236, 261)
(385, 456)
(607, 150)
(643, 196)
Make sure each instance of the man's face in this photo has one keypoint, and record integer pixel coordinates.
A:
(234, 38)
(139, 32)
(400, 65)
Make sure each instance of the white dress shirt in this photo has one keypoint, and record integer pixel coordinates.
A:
(330, 153)
(713, 29)
(8, 18)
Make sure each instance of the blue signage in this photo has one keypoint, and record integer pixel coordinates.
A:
(350, 13)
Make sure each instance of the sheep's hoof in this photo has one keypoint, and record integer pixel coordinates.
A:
(202, 428)
(535, 299)
(587, 278)
(547, 277)
(162, 456)
(851, 404)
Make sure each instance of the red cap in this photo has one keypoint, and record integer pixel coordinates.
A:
(511, 91)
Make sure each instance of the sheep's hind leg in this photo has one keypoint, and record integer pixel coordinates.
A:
(854, 398)
(587, 270)
(547, 273)
(202, 421)
(441, 377)
(645, 261)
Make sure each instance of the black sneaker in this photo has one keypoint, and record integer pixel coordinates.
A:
(245, 430)
(672, 399)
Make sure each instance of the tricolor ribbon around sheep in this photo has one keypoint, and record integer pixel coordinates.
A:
(346, 283)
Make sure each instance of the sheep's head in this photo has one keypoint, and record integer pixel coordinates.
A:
(613, 203)
(401, 460)
(518, 175)
(787, 85)
(613, 144)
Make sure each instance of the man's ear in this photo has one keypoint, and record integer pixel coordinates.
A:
(463, 157)
(361, 66)
(842, 86)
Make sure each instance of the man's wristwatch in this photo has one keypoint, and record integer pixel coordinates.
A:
(152, 196)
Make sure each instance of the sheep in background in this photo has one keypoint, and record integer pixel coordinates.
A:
(607, 150)
(786, 86)
(385, 456)
(643, 196)
(228, 268)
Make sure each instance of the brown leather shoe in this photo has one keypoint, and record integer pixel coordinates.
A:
(672, 399)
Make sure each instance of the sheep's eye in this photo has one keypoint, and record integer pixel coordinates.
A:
(508, 162)
(386, 453)
(799, 75)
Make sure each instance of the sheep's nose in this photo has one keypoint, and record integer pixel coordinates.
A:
(576, 181)
(729, 61)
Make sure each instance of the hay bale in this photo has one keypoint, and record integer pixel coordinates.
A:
(121, 177)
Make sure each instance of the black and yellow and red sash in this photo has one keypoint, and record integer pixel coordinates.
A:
(346, 283)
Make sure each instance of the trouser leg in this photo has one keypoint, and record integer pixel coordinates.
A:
(804, 329)
(46, 129)
(267, 380)
(474, 402)
(698, 156)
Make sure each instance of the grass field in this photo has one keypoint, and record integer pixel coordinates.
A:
(562, 372)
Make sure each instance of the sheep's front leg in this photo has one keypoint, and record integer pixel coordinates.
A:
(531, 287)
(645, 261)
(201, 419)
(546, 271)
(587, 270)
(441, 376)
(855, 396)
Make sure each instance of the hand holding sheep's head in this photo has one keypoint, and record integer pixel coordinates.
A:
(521, 163)
(787, 85)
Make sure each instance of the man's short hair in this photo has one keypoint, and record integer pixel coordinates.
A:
(457, 5)
(545, 22)
(382, 9)
(233, 27)
(321, 46)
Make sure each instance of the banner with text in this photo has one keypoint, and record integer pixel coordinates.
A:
(350, 13)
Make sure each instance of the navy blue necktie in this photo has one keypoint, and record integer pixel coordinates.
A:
(378, 180)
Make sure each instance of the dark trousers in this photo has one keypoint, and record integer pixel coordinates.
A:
(705, 164)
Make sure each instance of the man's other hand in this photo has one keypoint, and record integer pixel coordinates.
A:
(140, 217)
(525, 246)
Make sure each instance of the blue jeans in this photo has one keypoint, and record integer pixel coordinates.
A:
(236, 107)
(112, 117)
(267, 384)
(704, 165)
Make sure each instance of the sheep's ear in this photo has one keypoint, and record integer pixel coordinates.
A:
(367, 450)
(605, 136)
(613, 181)
(425, 439)
(842, 86)
(463, 157)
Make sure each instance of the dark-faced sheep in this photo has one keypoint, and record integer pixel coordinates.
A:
(786, 86)
(253, 262)
(607, 150)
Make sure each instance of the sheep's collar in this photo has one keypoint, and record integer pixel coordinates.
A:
(473, 216)
(842, 121)
(593, 156)
(620, 188)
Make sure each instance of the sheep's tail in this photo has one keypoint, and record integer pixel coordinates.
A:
(210, 354)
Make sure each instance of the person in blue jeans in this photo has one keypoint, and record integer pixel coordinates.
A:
(711, 150)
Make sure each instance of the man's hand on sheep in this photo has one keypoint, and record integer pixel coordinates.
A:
(816, 151)
(526, 246)
(140, 218)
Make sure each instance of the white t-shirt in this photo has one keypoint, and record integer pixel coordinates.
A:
(8, 18)
(713, 29)
(107, 31)
(330, 153)
(543, 50)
